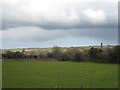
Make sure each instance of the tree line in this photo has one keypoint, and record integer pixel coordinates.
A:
(105, 55)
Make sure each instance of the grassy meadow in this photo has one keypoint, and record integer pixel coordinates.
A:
(57, 74)
(0, 74)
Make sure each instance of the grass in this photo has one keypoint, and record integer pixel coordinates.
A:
(41, 74)
(0, 74)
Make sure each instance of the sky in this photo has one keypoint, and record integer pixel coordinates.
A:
(65, 23)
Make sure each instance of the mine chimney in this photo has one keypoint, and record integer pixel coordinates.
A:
(101, 45)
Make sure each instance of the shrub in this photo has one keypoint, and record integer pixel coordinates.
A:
(114, 55)
(49, 55)
(72, 54)
(103, 56)
(94, 54)
(85, 55)
(18, 55)
(106, 55)
(8, 54)
(56, 52)
(65, 56)
(78, 56)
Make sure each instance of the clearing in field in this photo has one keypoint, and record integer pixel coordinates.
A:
(41, 74)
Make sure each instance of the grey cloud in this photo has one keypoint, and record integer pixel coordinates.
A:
(41, 22)
(28, 34)
(68, 17)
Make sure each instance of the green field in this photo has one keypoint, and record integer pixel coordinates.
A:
(41, 74)
(0, 74)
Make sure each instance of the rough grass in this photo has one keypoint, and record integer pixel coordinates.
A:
(0, 74)
(41, 74)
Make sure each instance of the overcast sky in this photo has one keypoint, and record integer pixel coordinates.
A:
(47, 23)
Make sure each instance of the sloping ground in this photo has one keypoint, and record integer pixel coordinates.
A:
(50, 49)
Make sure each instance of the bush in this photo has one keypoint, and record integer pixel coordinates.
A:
(72, 55)
(78, 56)
(106, 55)
(49, 55)
(85, 55)
(56, 52)
(10, 55)
(94, 54)
(18, 55)
(65, 56)
(103, 56)
(114, 55)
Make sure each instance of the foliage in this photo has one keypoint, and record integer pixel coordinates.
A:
(94, 53)
(105, 55)
(57, 53)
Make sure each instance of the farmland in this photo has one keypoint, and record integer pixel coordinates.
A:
(58, 74)
(0, 74)
(61, 67)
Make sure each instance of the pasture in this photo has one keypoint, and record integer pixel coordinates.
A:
(0, 73)
(57, 74)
